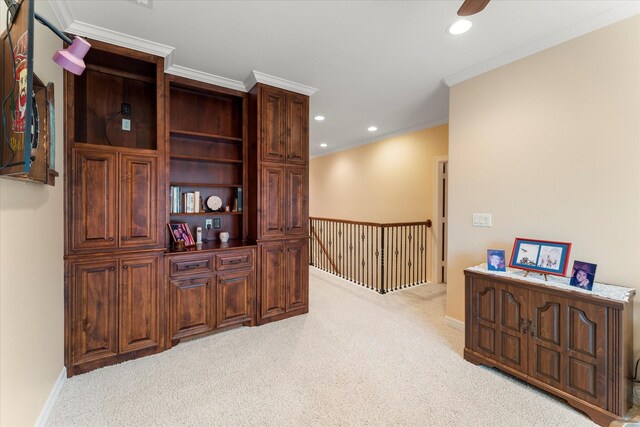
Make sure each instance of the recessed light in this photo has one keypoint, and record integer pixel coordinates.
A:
(319, 118)
(372, 129)
(459, 27)
(324, 145)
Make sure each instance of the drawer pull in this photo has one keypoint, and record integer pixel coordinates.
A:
(523, 323)
(532, 328)
(235, 261)
(182, 267)
(235, 279)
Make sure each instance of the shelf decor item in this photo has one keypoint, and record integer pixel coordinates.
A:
(540, 256)
(495, 260)
(583, 275)
(180, 232)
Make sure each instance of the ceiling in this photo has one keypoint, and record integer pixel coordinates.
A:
(382, 63)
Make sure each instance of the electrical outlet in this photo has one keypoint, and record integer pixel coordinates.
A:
(208, 223)
(216, 223)
(126, 124)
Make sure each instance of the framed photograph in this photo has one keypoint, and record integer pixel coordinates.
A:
(495, 260)
(583, 275)
(180, 232)
(541, 256)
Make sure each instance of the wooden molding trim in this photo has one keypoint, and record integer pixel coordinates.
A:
(257, 77)
(454, 323)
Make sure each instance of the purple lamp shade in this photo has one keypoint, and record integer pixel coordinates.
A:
(71, 58)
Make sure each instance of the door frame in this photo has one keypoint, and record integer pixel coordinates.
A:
(436, 250)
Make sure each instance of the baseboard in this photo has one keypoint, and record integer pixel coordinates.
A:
(455, 323)
(51, 400)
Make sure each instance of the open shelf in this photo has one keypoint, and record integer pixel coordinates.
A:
(205, 135)
(204, 159)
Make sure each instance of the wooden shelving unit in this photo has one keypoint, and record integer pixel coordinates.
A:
(207, 150)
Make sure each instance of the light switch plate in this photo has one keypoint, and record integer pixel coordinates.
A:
(481, 220)
(126, 124)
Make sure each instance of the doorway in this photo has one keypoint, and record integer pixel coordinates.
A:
(440, 234)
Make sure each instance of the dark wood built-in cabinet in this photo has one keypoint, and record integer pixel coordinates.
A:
(279, 171)
(132, 133)
(572, 344)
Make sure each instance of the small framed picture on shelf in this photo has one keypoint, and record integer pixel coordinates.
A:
(495, 260)
(180, 232)
(583, 275)
(540, 256)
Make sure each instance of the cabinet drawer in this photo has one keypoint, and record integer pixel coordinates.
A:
(236, 259)
(182, 266)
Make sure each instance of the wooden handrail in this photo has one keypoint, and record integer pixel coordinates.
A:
(326, 253)
(375, 224)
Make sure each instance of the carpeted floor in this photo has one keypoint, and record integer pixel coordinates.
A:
(357, 359)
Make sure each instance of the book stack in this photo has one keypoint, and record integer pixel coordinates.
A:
(187, 202)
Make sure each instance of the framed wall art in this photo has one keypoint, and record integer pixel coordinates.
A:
(541, 256)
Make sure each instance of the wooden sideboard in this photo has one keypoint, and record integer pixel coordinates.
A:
(575, 345)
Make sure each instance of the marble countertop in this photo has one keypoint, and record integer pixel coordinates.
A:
(612, 292)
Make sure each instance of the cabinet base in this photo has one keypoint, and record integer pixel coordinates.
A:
(598, 415)
(82, 368)
(265, 320)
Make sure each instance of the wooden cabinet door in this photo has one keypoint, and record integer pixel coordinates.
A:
(273, 120)
(484, 298)
(297, 270)
(297, 201)
(547, 340)
(511, 328)
(94, 323)
(138, 200)
(272, 279)
(191, 306)
(586, 355)
(272, 213)
(138, 308)
(93, 205)
(297, 140)
(234, 297)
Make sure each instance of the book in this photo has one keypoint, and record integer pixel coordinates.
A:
(239, 199)
(189, 203)
(196, 202)
(175, 199)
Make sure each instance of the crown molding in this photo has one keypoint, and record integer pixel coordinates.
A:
(113, 37)
(379, 138)
(258, 77)
(62, 12)
(609, 17)
(178, 70)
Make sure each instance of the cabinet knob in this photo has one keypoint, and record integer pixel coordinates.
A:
(523, 324)
(112, 268)
(125, 266)
(124, 237)
(111, 239)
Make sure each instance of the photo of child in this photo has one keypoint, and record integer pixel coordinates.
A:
(583, 275)
(495, 260)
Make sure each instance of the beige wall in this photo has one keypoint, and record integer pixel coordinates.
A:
(550, 145)
(388, 181)
(31, 269)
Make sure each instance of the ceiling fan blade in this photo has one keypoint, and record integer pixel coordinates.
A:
(471, 7)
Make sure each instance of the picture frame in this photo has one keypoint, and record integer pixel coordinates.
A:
(496, 260)
(180, 232)
(540, 256)
(583, 275)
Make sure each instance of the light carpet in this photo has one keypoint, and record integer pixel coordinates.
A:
(357, 359)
